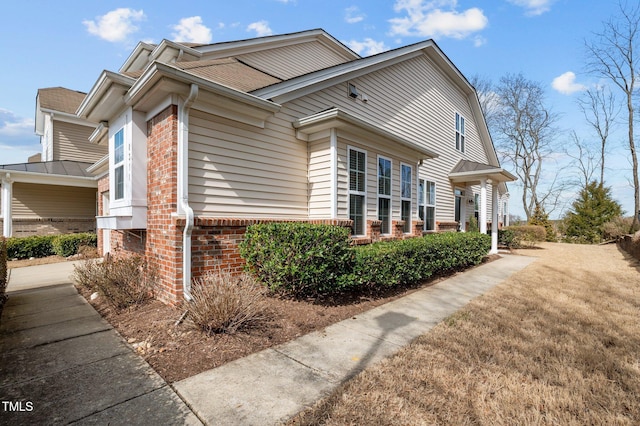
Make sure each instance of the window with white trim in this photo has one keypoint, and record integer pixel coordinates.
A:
(384, 194)
(357, 190)
(118, 165)
(406, 172)
(427, 204)
(459, 132)
(476, 206)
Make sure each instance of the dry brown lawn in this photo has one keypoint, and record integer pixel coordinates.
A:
(556, 344)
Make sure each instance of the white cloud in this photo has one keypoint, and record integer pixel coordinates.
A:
(429, 19)
(13, 126)
(261, 28)
(191, 30)
(566, 84)
(367, 47)
(116, 25)
(352, 15)
(534, 7)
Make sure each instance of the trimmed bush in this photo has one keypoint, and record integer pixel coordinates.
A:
(223, 303)
(398, 263)
(296, 257)
(123, 282)
(27, 247)
(68, 244)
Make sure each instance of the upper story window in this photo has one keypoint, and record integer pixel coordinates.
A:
(460, 132)
(118, 165)
(357, 190)
(406, 173)
(384, 194)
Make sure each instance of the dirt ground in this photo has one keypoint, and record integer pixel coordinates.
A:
(178, 351)
(557, 343)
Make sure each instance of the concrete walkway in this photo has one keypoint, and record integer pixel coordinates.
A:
(59, 358)
(271, 386)
(61, 363)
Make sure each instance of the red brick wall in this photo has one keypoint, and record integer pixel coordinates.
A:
(164, 238)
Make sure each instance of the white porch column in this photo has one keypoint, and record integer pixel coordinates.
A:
(482, 219)
(494, 221)
(7, 196)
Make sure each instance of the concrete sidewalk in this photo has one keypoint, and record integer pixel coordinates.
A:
(271, 386)
(61, 363)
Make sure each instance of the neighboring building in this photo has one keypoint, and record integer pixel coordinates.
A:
(53, 193)
(206, 140)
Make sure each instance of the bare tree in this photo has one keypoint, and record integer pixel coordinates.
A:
(600, 110)
(584, 160)
(525, 128)
(611, 55)
(486, 96)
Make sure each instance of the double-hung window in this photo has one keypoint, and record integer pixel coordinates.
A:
(459, 132)
(406, 173)
(427, 204)
(118, 165)
(384, 194)
(357, 190)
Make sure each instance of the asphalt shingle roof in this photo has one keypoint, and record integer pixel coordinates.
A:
(63, 168)
(60, 99)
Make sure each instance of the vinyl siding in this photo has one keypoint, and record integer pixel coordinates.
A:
(236, 170)
(71, 142)
(417, 101)
(294, 60)
(320, 181)
(52, 201)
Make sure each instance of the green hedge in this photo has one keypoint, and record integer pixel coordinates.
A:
(48, 245)
(296, 257)
(299, 258)
(67, 245)
(399, 263)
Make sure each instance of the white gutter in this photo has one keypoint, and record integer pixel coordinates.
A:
(183, 188)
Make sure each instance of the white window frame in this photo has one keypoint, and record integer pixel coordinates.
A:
(408, 223)
(351, 192)
(389, 196)
(122, 124)
(460, 131)
(119, 164)
(424, 204)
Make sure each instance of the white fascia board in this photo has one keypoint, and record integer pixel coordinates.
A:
(50, 179)
(67, 118)
(140, 48)
(102, 86)
(157, 70)
(164, 44)
(241, 47)
(99, 166)
(335, 118)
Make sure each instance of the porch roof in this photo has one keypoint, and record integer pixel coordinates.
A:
(472, 172)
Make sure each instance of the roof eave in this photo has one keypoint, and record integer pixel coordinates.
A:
(336, 118)
(105, 97)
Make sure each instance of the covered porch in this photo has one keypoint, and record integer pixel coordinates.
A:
(473, 173)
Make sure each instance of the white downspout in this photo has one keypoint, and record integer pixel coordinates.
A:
(183, 189)
(7, 197)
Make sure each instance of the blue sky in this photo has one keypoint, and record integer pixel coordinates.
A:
(68, 43)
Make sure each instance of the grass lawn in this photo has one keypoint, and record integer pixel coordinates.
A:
(557, 343)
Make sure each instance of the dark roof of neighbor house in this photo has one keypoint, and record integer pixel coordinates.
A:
(60, 99)
(63, 168)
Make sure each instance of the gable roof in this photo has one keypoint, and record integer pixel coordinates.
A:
(472, 171)
(60, 99)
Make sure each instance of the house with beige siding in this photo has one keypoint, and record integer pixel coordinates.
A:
(53, 192)
(205, 140)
